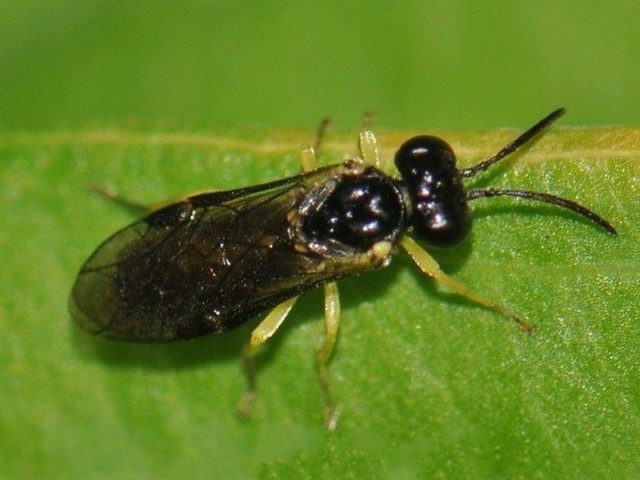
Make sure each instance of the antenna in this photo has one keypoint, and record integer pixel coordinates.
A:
(543, 197)
(515, 145)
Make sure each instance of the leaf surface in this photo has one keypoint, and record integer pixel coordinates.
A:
(427, 382)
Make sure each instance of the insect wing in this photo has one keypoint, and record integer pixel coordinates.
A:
(204, 265)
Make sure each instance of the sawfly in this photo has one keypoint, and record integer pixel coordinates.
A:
(213, 261)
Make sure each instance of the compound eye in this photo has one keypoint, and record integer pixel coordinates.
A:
(422, 153)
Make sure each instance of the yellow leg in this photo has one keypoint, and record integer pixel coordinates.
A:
(430, 267)
(308, 153)
(307, 158)
(331, 325)
(369, 150)
(259, 336)
(331, 305)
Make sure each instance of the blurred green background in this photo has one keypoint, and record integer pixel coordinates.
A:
(443, 64)
(435, 387)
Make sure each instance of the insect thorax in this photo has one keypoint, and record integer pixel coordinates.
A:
(358, 210)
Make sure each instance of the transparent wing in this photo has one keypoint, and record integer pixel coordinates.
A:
(204, 265)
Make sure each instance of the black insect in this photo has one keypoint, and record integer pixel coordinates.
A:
(213, 261)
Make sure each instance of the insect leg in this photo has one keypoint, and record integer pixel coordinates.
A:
(139, 209)
(369, 150)
(307, 158)
(308, 153)
(320, 133)
(430, 267)
(134, 207)
(331, 325)
(367, 119)
(259, 336)
(331, 306)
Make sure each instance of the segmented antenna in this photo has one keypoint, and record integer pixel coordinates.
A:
(537, 196)
(543, 197)
(515, 145)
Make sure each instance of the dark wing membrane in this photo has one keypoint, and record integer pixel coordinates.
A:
(200, 266)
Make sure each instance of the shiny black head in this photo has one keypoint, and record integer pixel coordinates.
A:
(440, 215)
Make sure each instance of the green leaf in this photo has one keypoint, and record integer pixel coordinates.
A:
(428, 383)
